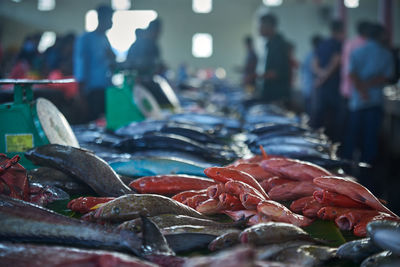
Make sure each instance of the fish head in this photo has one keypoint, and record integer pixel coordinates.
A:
(115, 210)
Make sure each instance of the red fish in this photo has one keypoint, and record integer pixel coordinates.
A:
(293, 169)
(331, 213)
(211, 206)
(169, 184)
(275, 211)
(182, 196)
(230, 202)
(223, 175)
(270, 183)
(298, 205)
(328, 198)
(85, 204)
(237, 188)
(215, 190)
(348, 220)
(240, 214)
(254, 169)
(250, 201)
(311, 209)
(13, 179)
(353, 190)
(360, 229)
(195, 200)
(292, 190)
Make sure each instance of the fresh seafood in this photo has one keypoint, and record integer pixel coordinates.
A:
(328, 198)
(270, 183)
(298, 205)
(215, 190)
(154, 242)
(223, 175)
(385, 234)
(385, 258)
(225, 240)
(250, 201)
(13, 180)
(360, 229)
(81, 164)
(34, 255)
(348, 220)
(43, 195)
(56, 178)
(292, 190)
(22, 221)
(293, 169)
(311, 209)
(254, 169)
(240, 214)
(273, 232)
(274, 211)
(230, 202)
(169, 184)
(358, 250)
(169, 220)
(269, 251)
(196, 200)
(237, 188)
(181, 197)
(85, 204)
(133, 206)
(307, 255)
(353, 190)
(150, 166)
(211, 206)
(331, 213)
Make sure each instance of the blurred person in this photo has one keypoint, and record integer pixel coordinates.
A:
(370, 69)
(93, 63)
(326, 66)
(348, 48)
(307, 74)
(293, 64)
(276, 76)
(250, 65)
(144, 55)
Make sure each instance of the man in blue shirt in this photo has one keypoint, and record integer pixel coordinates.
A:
(326, 97)
(93, 59)
(370, 69)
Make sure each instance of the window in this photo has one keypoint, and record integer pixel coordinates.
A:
(125, 22)
(46, 5)
(91, 21)
(202, 45)
(202, 6)
(272, 2)
(47, 40)
(121, 4)
(351, 3)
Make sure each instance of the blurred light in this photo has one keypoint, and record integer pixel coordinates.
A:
(46, 5)
(17, 1)
(47, 40)
(117, 79)
(121, 4)
(272, 2)
(91, 20)
(125, 22)
(202, 45)
(220, 73)
(202, 6)
(351, 3)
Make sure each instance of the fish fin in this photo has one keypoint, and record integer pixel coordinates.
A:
(265, 156)
(154, 242)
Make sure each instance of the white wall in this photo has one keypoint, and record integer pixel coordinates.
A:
(229, 22)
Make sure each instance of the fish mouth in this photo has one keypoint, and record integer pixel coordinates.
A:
(344, 223)
(97, 213)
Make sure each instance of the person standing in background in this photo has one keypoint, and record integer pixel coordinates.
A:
(370, 68)
(93, 62)
(326, 66)
(307, 74)
(276, 76)
(250, 65)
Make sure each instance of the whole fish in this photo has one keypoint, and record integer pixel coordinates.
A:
(170, 184)
(307, 255)
(292, 190)
(54, 177)
(169, 220)
(34, 255)
(273, 232)
(149, 166)
(225, 240)
(328, 198)
(291, 151)
(269, 251)
(254, 169)
(293, 169)
(274, 211)
(81, 164)
(25, 222)
(133, 206)
(385, 258)
(385, 234)
(353, 190)
(360, 229)
(358, 250)
(262, 128)
(195, 133)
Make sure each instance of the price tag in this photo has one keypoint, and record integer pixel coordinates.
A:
(18, 142)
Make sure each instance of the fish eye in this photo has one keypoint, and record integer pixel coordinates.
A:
(115, 210)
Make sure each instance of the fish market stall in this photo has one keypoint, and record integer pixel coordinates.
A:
(252, 185)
